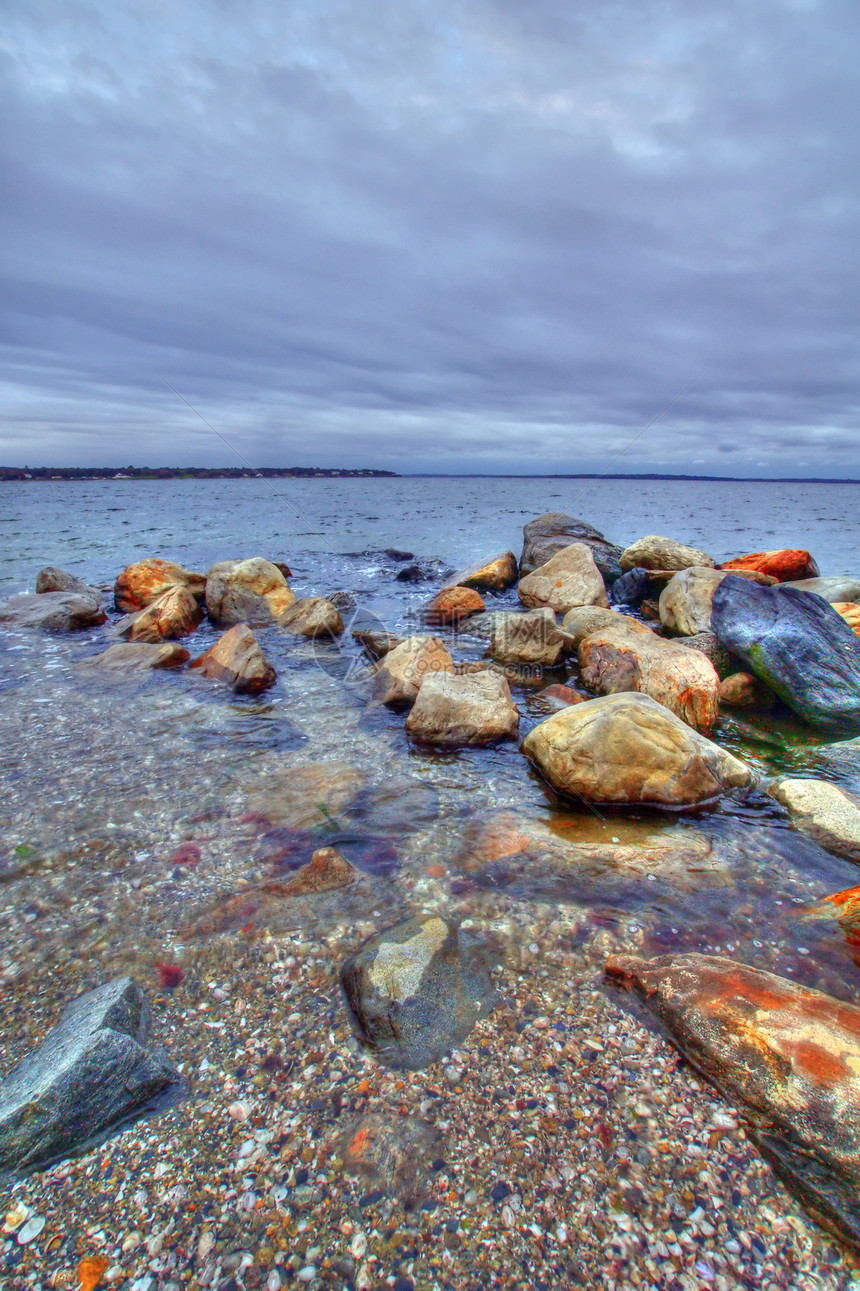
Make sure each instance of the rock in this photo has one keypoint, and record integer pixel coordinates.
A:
(138, 657)
(422, 570)
(237, 659)
(139, 584)
(411, 574)
(453, 604)
(559, 696)
(306, 796)
(376, 642)
(51, 579)
(454, 710)
(492, 575)
(343, 601)
(326, 871)
(709, 645)
(569, 578)
(175, 613)
(685, 601)
(312, 616)
(784, 566)
(654, 552)
(627, 748)
(393, 1154)
(629, 657)
(789, 1054)
(531, 638)
(630, 589)
(742, 689)
(246, 591)
(825, 812)
(798, 645)
(842, 588)
(584, 619)
(52, 611)
(416, 990)
(89, 1078)
(398, 675)
(544, 537)
(844, 906)
(850, 612)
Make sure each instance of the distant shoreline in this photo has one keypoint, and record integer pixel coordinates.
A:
(39, 474)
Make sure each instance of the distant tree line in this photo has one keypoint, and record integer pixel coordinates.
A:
(174, 472)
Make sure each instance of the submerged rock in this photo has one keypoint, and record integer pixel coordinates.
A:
(629, 749)
(138, 656)
(51, 579)
(416, 990)
(399, 674)
(53, 611)
(90, 1077)
(492, 575)
(527, 639)
(312, 616)
(545, 536)
(326, 871)
(236, 658)
(657, 553)
(784, 566)
(453, 604)
(246, 591)
(175, 613)
(569, 578)
(560, 696)
(798, 645)
(139, 584)
(825, 812)
(788, 1054)
(475, 708)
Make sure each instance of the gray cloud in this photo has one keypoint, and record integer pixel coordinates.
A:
(480, 236)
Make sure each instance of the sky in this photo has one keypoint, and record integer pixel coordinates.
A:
(432, 235)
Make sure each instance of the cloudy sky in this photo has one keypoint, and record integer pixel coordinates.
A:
(446, 235)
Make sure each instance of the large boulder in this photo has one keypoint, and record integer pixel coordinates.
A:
(656, 552)
(452, 604)
(798, 645)
(139, 584)
(51, 579)
(784, 566)
(475, 708)
(247, 591)
(629, 749)
(399, 674)
(138, 656)
(416, 990)
(835, 588)
(53, 611)
(825, 812)
(312, 616)
(629, 657)
(685, 601)
(544, 537)
(568, 578)
(236, 658)
(527, 639)
(788, 1054)
(90, 1077)
(175, 613)
(584, 619)
(492, 575)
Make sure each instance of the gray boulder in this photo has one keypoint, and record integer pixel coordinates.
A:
(90, 1077)
(51, 579)
(53, 611)
(834, 588)
(544, 537)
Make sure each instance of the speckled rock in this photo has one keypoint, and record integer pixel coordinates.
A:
(532, 638)
(656, 552)
(90, 1077)
(492, 575)
(400, 673)
(827, 813)
(246, 591)
(236, 658)
(788, 1054)
(53, 611)
(452, 604)
(175, 613)
(416, 990)
(312, 616)
(142, 582)
(474, 708)
(784, 565)
(569, 578)
(627, 748)
(51, 579)
(138, 656)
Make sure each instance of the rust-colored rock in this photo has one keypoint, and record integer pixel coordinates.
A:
(237, 659)
(788, 1054)
(398, 676)
(844, 906)
(850, 612)
(453, 604)
(175, 613)
(560, 696)
(784, 566)
(139, 584)
(492, 575)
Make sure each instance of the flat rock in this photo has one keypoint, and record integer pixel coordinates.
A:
(545, 536)
(416, 990)
(628, 749)
(312, 616)
(475, 708)
(797, 645)
(251, 591)
(569, 578)
(90, 1077)
(492, 575)
(53, 611)
(236, 658)
(51, 579)
(399, 674)
(175, 613)
(142, 582)
(138, 656)
(784, 565)
(825, 812)
(787, 1054)
(528, 639)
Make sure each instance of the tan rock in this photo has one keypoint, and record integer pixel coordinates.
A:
(532, 638)
(175, 613)
(312, 616)
(569, 578)
(138, 657)
(247, 591)
(627, 748)
(850, 612)
(476, 708)
(825, 812)
(306, 796)
(492, 575)
(326, 871)
(452, 604)
(629, 657)
(656, 552)
(584, 619)
(398, 676)
(237, 659)
(139, 584)
(742, 689)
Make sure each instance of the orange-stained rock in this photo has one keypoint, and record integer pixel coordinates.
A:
(175, 613)
(454, 603)
(492, 575)
(789, 1054)
(312, 616)
(560, 696)
(850, 612)
(844, 906)
(781, 565)
(246, 591)
(139, 584)
(90, 1271)
(237, 659)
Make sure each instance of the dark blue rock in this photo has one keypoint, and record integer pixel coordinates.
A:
(798, 645)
